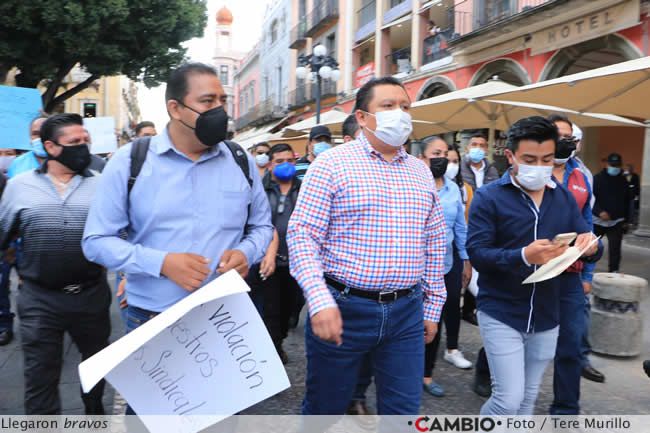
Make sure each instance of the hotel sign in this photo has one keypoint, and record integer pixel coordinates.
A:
(593, 25)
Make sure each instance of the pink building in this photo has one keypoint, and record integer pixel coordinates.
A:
(247, 88)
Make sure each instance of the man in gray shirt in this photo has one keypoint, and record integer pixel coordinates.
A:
(61, 290)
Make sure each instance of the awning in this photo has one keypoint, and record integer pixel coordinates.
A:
(404, 19)
(428, 5)
(257, 135)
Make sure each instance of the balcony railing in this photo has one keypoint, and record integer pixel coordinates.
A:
(488, 12)
(435, 47)
(299, 34)
(327, 88)
(261, 113)
(299, 96)
(367, 17)
(324, 13)
(399, 61)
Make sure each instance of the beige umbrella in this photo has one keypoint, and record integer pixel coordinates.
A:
(334, 121)
(622, 89)
(474, 107)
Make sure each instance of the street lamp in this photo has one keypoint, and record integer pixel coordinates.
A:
(318, 66)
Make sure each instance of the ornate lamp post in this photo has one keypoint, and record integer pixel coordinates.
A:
(320, 67)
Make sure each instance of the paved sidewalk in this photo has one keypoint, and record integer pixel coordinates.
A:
(627, 390)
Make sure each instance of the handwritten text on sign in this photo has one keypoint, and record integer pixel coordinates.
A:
(209, 355)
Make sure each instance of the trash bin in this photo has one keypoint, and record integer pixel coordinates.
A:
(616, 325)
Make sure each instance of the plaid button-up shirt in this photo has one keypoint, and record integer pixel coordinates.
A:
(370, 224)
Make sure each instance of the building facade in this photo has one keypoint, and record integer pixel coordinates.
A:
(226, 58)
(247, 89)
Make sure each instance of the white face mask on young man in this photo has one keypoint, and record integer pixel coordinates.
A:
(393, 127)
(533, 177)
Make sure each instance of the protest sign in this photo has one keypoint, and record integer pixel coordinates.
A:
(102, 134)
(18, 107)
(204, 359)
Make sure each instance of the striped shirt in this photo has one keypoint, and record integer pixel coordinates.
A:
(302, 165)
(51, 227)
(370, 224)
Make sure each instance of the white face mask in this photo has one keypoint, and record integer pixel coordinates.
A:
(5, 162)
(393, 127)
(262, 160)
(452, 170)
(533, 177)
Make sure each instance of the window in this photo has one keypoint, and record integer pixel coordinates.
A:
(223, 74)
(394, 3)
(330, 44)
(274, 31)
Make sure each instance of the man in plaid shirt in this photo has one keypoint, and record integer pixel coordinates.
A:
(367, 245)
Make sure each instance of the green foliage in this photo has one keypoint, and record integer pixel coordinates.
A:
(138, 38)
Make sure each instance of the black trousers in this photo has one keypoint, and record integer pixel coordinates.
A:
(614, 240)
(45, 315)
(450, 316)
(276, 299)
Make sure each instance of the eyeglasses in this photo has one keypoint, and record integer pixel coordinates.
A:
(281, 161)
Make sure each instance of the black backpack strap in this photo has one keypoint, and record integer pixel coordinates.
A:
(241, 159)
(139, 150)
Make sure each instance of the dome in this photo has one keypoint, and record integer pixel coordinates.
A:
(224, 16)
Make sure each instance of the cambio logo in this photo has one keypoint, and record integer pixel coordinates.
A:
(454, 424)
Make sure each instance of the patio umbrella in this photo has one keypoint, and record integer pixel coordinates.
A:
(477, 107)
(334, 121)
(622, 89)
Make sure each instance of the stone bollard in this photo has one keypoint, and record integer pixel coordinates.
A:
(616, 325)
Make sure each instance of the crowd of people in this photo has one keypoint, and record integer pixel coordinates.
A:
(382, 247)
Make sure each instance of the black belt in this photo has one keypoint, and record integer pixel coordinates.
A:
(381, 297)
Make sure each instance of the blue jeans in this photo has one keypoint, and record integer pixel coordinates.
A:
(365, 379)
(134, 318)
(585, 347)
(517, 363)
(6, 316)
(568, 365)
(392, 334)
(119, 298)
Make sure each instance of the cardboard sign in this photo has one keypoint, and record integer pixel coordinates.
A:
(102, 134)
(18, 107)
(206, 358)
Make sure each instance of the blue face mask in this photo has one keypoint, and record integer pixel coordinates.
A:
(613, 171)
(284, 172)
(321, 147)
(38, 149)
(476, 154)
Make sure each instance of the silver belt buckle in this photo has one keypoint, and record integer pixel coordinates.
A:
(72, 289)
(381, 300)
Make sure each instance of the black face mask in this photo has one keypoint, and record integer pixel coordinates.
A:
(76, 157)
(438, 166)
(211, 126)
(565, 147)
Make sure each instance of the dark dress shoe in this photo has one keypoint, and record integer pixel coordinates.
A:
(6, 336)
(482, 385)
(592, 374)
(646, 367)
(358, 407)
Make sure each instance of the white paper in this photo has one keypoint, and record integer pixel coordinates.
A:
(558, 265)
(209, 354)
(102, 134)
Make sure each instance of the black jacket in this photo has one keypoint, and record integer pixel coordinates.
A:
(3, 183)
(612, 195)
(491, 172)
(273, 193)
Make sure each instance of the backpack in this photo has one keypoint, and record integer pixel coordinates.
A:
(140, 148)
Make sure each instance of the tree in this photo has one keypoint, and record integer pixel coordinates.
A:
(141, 39)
